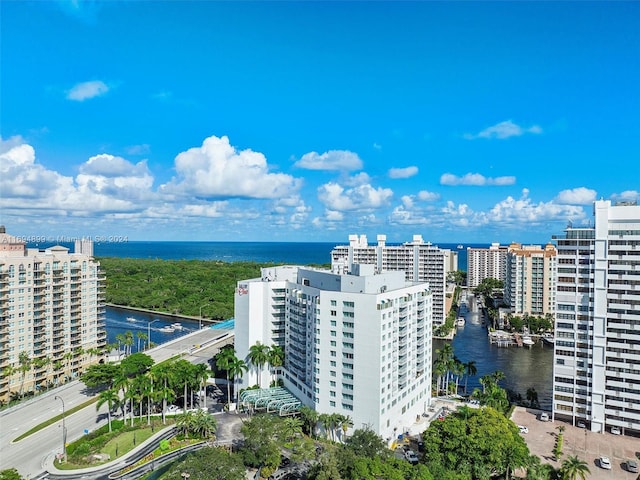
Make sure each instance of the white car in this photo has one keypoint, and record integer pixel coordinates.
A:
(615, 430)
(523, 429)
(605, 463)
(411, 457)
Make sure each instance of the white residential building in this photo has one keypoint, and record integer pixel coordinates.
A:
(51, 314)
(597, 346)
(486, 263)
(530, 283)
(357, 344)
(421, 261)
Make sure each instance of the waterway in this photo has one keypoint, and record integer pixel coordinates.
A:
(523, 367)
(121, 320)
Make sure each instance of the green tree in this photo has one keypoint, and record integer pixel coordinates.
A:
(10, 474)
(309, 420)
(470, 369)
(532, 397)
(136, 364)
(100, 375)
(573, 468)
(474, 444)
(258, 357)
(112, 399)
(325, 469)
(211, 463)
(223, 360)
(275, 358)
(261, 448)
(24, 362)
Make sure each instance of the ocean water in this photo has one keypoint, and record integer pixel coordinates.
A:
(297, 253)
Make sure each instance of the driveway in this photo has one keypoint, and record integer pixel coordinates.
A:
(579, 442)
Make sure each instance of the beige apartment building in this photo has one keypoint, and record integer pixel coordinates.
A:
(51, 314)
(530, 281)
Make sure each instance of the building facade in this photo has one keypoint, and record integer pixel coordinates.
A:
(597, 346)
(486, 263)
(530, 283)
(51, 314)
(357, 344)
(421, 261)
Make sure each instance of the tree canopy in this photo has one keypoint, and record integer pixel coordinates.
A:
(474, 444)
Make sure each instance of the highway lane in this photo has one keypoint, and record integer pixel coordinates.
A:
(29, 455)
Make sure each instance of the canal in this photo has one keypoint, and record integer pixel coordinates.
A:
(524, 367)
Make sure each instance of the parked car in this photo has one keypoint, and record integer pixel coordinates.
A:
(411, 457)
(605, 463)
(544, 417)
(615, 430)
(523, 429)
(581, 425)
(632, 466)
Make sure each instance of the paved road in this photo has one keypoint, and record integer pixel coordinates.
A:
(31, 455)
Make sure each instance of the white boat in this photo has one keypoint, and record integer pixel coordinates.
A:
(167, 329)
(177, 326)
(460, 321)
(526, 340)
(460, 247)
(131, 319)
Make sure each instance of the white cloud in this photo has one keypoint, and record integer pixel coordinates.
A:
(403, 215)
(218, 170)
(86, 90)
(362, 197)
(426, 196)
(407, 172)
(104, 184)
(580, 196)
(504, 130)
(342, 160)
(361, 178)
(524, 212)
(377, 146)
(626, 196)
(475, 179)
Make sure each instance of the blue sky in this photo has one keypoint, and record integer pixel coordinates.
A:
(309, 121)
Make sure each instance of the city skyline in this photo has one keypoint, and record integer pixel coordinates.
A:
(309, 121)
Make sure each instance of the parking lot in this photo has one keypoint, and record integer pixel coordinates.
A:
(584, 444)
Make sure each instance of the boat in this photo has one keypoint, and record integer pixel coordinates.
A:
(548, 338)
(460, 321)
(177, 326)
(167, 329)
(460, 247)
(526, 340)
(131, 319)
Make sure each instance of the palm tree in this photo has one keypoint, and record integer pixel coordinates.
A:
(68, 357)
(470, 368)
(163, 375)
(128, 342)
(183, 371)
(346, 422)
(25, 365)
(121, 382)
(120, 338)
(276, 358)
(57, 367)
(497, 376)
(201, 375)
(258, 357)
(203, 424)
(237, 368)
(8, 372)
(111, 398)
(141, 336)
(573, 468)
(291, 427)
(223, 360)
(310, 419)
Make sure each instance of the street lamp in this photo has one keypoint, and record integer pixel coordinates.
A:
(64, 431)
(200, 319)
(149, 331)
